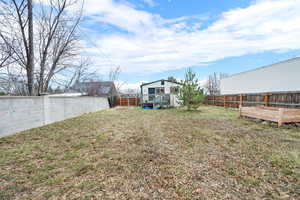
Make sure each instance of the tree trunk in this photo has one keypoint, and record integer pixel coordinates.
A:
(30, 56)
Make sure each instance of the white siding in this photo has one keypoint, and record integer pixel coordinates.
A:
(167, 85)
(279, 77)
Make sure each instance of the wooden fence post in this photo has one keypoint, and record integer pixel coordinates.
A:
(267, 99)
(128, 101)
(224, 101)
(241, 100)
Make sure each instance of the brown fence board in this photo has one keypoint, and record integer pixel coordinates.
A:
(128, 102)
(281, 100)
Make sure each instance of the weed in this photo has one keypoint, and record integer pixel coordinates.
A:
(71, 155)
(41, 177)
(55, 180)
(49, 194)
(80, 145)
(281, 161)
(81, 168)
(287, 172)
(99, 135)
(90, 185)
(31, 166)
(50, 156)
(251, 181)
(231, 171)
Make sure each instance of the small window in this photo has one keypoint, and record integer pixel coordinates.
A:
(160, 91)
(162, 82)
(151, 90)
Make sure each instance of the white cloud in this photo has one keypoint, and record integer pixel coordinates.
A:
(121, 15)
(153, 44)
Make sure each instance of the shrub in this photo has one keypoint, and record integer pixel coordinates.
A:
(191, 95)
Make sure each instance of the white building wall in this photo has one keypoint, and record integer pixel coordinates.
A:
(279, 77)
(22, 113)
(174, 101)
(167, 85)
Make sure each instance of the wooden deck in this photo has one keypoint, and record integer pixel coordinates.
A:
(278, 115)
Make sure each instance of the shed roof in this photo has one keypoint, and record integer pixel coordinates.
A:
(159, 81)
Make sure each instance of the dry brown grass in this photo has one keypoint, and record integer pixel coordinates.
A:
(130, 153)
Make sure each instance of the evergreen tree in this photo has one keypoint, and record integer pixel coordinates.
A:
(191, 95)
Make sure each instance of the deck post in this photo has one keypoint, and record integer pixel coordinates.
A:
(240, 112)
(280, 117)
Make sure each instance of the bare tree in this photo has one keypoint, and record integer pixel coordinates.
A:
(17, 34)
(114, 73)
(55, 34)
(5, 54)
(76, 75)
(81, 73)
(212, 85)
(58, 39)
(12, 83)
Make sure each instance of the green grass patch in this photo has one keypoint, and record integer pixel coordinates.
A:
(71, 155)
(55, 180)
(81, 145)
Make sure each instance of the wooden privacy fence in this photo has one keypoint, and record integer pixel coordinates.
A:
(128, 101)
(279, 99)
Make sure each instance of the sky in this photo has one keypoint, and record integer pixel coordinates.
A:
(155, 39)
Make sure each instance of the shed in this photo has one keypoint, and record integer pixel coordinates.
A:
(160, 93)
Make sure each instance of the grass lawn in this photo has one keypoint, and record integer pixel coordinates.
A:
(130, 153)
